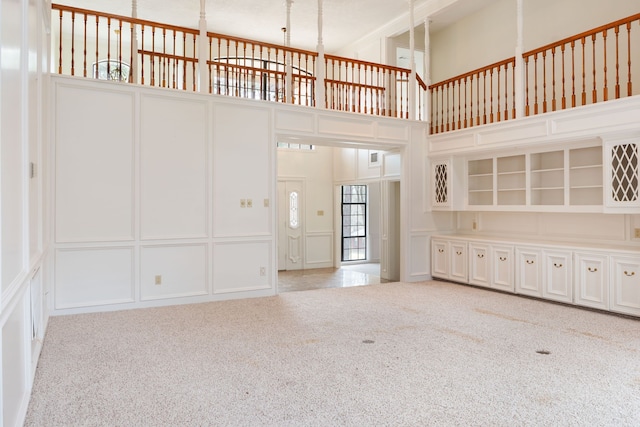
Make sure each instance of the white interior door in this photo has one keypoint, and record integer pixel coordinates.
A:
(290, 225)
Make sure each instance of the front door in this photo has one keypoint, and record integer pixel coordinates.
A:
(290, 225)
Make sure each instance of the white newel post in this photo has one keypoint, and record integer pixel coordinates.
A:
(519, 75)
(133, 67)
(288, 58)
(320, 71)
(427, 72)
(412, 87)
(203, 57)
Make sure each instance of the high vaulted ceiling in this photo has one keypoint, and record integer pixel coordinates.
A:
(344, 21)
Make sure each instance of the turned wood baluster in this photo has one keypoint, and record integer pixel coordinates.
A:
(484, 97)
(441, 90)
(478, 99)
(629, 58)
(60, 47)
(564, 94)
(593, 56)
(142, 56)
(491, 95)
(132, 69)
(459, 105)
(617, 89)
(605, 89)
(573, 73)
(108, 47)
(73, 43)
(526, 86)
(471, 101)
(584, 74)
(465, 101)
(513, 80)
(506, 92)
(498, 94)
(163, 60)
(535, 83)
(447, 108)
(153, 56)
(84, 46)
(553, 79)
(544, 81)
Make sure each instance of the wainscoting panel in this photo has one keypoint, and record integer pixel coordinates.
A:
(295, 121)
(88, 277)
(319, 250)
(94, 165)
(173, 271)
(242, 266)
(394, 132)
(354, 127)
(173, 172)
(242, 171)
(420, 257)
(14, 388)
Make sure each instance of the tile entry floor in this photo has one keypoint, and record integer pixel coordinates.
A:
(346, 276)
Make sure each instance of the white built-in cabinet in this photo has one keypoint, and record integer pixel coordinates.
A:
(449, 260)
(622, 174)
(589, 176)
(584, 276)
(592, 285)
(529, 271)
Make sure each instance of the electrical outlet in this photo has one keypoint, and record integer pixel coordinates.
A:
(266, 203)
(243, 203)
(249, 203)
(474, 225)
(158, 280)
(320, 213)
(263, 271)
(637, 233)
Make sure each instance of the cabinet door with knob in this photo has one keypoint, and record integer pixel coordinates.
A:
(625, 285)
(591, 280)
(558, 276)
(458, 261)
(502, 260)
(528, 271)
(479, 264)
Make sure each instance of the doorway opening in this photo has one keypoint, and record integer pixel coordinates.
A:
(330, 214)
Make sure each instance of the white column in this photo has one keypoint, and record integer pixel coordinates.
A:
(320, 71)
(412, 76)
(133, 67)
(288, 58)
(427, 71)
(519, 75)
(203, 53)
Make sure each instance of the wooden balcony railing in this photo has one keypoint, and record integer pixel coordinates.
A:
(482, 96)
(249, 69)
(366, 87)
(590, 67)
(149, 53)
(114, 47)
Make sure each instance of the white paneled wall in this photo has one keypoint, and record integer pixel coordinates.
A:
(174, 168)
(94, 155)
(94, 276)
(24, 252)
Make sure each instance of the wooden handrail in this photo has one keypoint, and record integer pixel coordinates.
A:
(580, 36)
(263, 44)
(367, 63)
(474, 72)
(167, 55)
(136, 21)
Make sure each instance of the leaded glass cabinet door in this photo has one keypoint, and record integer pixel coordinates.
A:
(622, 191)
(441, 184)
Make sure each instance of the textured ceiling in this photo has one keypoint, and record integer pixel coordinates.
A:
(344, 21)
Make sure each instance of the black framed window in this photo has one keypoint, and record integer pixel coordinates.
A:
(354, 222)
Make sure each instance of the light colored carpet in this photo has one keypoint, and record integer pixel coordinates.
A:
(392, 354)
